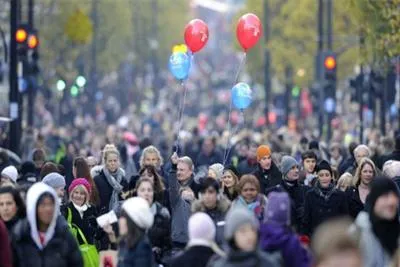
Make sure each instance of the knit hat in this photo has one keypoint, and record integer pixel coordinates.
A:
(278, 208)
(218, 169)
(324, 165)
(27, 167)
(78, 182)
(54, 180)
(379, 187)
(201, 226)
(287, 163)
(237, 217)
(233, 170)
(139, 211)
(11, 173)
(313, 145)
(263, 151)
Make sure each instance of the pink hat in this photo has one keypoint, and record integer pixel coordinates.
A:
(80, 181)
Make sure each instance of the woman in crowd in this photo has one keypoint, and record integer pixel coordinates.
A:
(345, 182)
(250, 196)
(230, 181)
(12, 207)
(358, 193)
(152, 156)
(160, 193)
(43, 238)
(81, 169)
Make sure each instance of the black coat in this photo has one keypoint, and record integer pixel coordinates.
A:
(318, 209)
(395, 155)
(61, 251)
(354, 201)
(245, 167)
(160, 232)
(207, 160)
(268, 178)
(346, 164)
(196, 256)
(138, 256)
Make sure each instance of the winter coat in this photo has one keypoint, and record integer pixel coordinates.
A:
(318, 209)
(268, 178)
(5, 250)
(346, 164)
(373, 254)
(248, 259)
(354, 202)
(246, 167)
(207, 160)
(217, 215)
(297, 194)
(138, 256)
(181, 210)
(196, 256)
(279, 238)
(160, 232)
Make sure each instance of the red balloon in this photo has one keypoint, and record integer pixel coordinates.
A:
(248, 31)
(196, 35)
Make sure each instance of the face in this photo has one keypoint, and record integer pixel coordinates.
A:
(324, 178)
(123, 226)
(347, 258)
(335, 153)
(209, 198)
(79, 196)
(148, 175)
(212, 174)
(45, 210)
(60, 192)
(293, 174)
(183, 172)
(367, 174)
(309, 165)
(252, 153)
(266, 162)
(8, 207)
(249, 192)
(208, 146)
(246, 238)
(386, 206)
(145, 191)
(228, 179)
(112, 162)
(151, 159)
(362, 153)
(6, 182)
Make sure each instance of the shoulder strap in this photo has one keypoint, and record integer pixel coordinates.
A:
(80, 234)
(69, 216)
(72, 225)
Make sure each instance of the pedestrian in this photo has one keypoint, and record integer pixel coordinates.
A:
(391, 169)
(250, 163)
(12, 207)
(5, 249)
(201, 246)
(9, 176)
(216, 171)
(241, 235)
(358, 193)
(276, 234)
(268, 174)
(81, 169)
(160, 193)
(57, 182)
(250, 196)
(152, 156)
(308, 175)
(134, 246)
(47, 168)
(345, 182)
(43, 238)
(379, 224)
(230, 182)
(360, 152)
(209, 153)
(323, 201)
(213, 203)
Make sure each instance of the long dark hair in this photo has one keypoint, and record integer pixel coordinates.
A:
(134, 232)
(21, 212)
(159, 186)
(83, 171)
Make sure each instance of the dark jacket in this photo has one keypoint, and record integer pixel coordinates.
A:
(5, 250)
(279, 238)
(138, 256)
(160, 232)
(61, 251)
(207, 160)
(196, 256)
(217, 215)
(230, 196)
(354, 202)
(248, 259)
(395, 155)
(346, 164)
(297, 194)
(320, 207)
(247, 166)
(268, 178)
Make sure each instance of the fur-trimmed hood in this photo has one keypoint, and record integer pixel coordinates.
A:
(223, 205)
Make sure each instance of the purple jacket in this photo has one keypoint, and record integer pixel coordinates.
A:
(275, 237)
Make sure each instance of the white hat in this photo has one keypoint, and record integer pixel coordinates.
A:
(139, 211)
(11, 173)
(201, 226)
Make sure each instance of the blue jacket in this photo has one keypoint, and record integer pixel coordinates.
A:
(140, 255)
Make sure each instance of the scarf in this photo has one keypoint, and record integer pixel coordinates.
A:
(257, 206)
(80, 209)
(325, 193)
(387, 232)
(114, 179)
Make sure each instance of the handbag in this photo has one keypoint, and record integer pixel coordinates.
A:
(89, 252)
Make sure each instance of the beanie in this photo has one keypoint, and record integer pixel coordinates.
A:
(278, 208)
(237, 217)
(27, 178)
(139, 212)
(11, 173)
(218, 169)
(78, 182)
(380, 186)
(263, 151)
(324, 165)
(27, 167)
(287, 163)
(201, 226)
(54, 180)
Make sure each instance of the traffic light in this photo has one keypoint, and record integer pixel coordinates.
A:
(296, 91)
(329, 65)
(21, 37)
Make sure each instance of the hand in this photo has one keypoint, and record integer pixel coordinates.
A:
(111, 235)
(174, 158)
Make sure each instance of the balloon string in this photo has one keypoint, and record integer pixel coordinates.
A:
(238, 127)
(180, 114)
(227, 147)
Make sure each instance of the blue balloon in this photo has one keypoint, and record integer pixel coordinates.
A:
(179, 65)
(241, 96)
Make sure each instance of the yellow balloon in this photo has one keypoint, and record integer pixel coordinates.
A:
(179, 48)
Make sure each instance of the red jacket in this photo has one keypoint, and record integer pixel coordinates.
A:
(5, 247)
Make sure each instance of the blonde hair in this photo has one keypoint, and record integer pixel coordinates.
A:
(357, 176)
(87, 198)
(345, 180)
(109, 149)
(151, 150)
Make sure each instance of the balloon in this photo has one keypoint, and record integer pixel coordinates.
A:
(241, 95)
(179, 65)
(248, 31)
(180, 48)
(196, 35)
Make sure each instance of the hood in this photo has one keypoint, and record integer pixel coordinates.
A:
(223, 205)
(32, 198)
(273, 236)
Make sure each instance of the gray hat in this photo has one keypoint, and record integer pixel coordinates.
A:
(287, 163)
(237, 217)
(54, 180)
